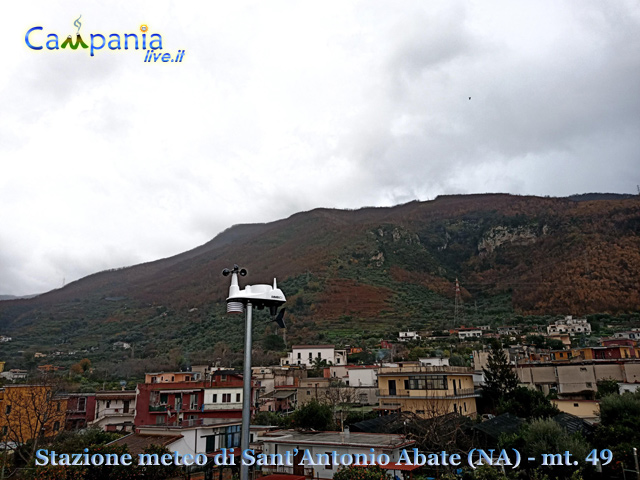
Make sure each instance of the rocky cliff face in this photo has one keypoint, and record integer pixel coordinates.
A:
(498, 236)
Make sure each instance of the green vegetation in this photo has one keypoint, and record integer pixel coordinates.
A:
(314, 415)
(361, 473)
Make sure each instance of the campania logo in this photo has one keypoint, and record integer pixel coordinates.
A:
(36, 40)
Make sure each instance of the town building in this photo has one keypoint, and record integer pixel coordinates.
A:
(469, 332)
(408, 336)
(14, 374)
(509, 330)
(577, 379)
(434, 362)
(30, 411)
(187, 400)
(324, 443)
(631, 335)
(427, 391)
(166, 377)
(81, 410)
(115, 410)
(307, 354)
(362, 376)
(570, 325)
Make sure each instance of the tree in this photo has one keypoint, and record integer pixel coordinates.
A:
(338, 394)
(500, 379)
(524, 402)
(361, 473)
(273, 343)
(29, 414)
(619, 428)
(607, 387)
(313, 415)
(546, 436)
(317, 367)
(271, 418)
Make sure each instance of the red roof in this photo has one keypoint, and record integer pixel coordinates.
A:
(400, 466)
(282, 476)
(394, 466)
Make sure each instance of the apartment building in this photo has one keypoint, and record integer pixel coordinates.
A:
(571, 326)
(577, 379)
(30, 411)
(322, 443)
(187, 400)
(115, 410)
(427, 391)
(307, 354)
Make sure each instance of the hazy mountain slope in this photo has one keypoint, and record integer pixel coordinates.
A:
(377, 269)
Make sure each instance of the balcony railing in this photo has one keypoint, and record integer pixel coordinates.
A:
(423, 369)
(157, 408)
(428, 394)
(223, 406)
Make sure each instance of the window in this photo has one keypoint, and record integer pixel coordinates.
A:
(589, 385)
(310, 356)
(320, 355)
(82, 404)
(576, 404)
(299, 355)
(338, 360)
(237, 397)
(57, 406)
(108, 403)
(211, 443)
(432, 382)
(329, 465)
(308, 392)
(164, 398)
(232, 436)
(226, 398)
(5, 430)
(172, 378)
(406, 384)
(215, 398)
(160, 419)
(7, 410)
(56, 426)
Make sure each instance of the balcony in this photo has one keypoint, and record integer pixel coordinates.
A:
(428, 394)
(223, 406)
(157, 408)
(413, 369)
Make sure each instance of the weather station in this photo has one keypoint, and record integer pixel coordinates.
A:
(240, 301)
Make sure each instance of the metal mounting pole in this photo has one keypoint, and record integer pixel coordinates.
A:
(246, 397)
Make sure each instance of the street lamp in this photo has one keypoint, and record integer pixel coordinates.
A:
(239, 301)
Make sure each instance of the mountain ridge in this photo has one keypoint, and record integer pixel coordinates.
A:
(381, 268)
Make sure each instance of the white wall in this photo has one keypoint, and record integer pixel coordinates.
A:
(363, 377)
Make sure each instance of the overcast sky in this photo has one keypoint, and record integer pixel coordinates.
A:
(283, 106)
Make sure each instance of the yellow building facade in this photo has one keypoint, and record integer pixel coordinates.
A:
(427, 391)
(30, 411)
